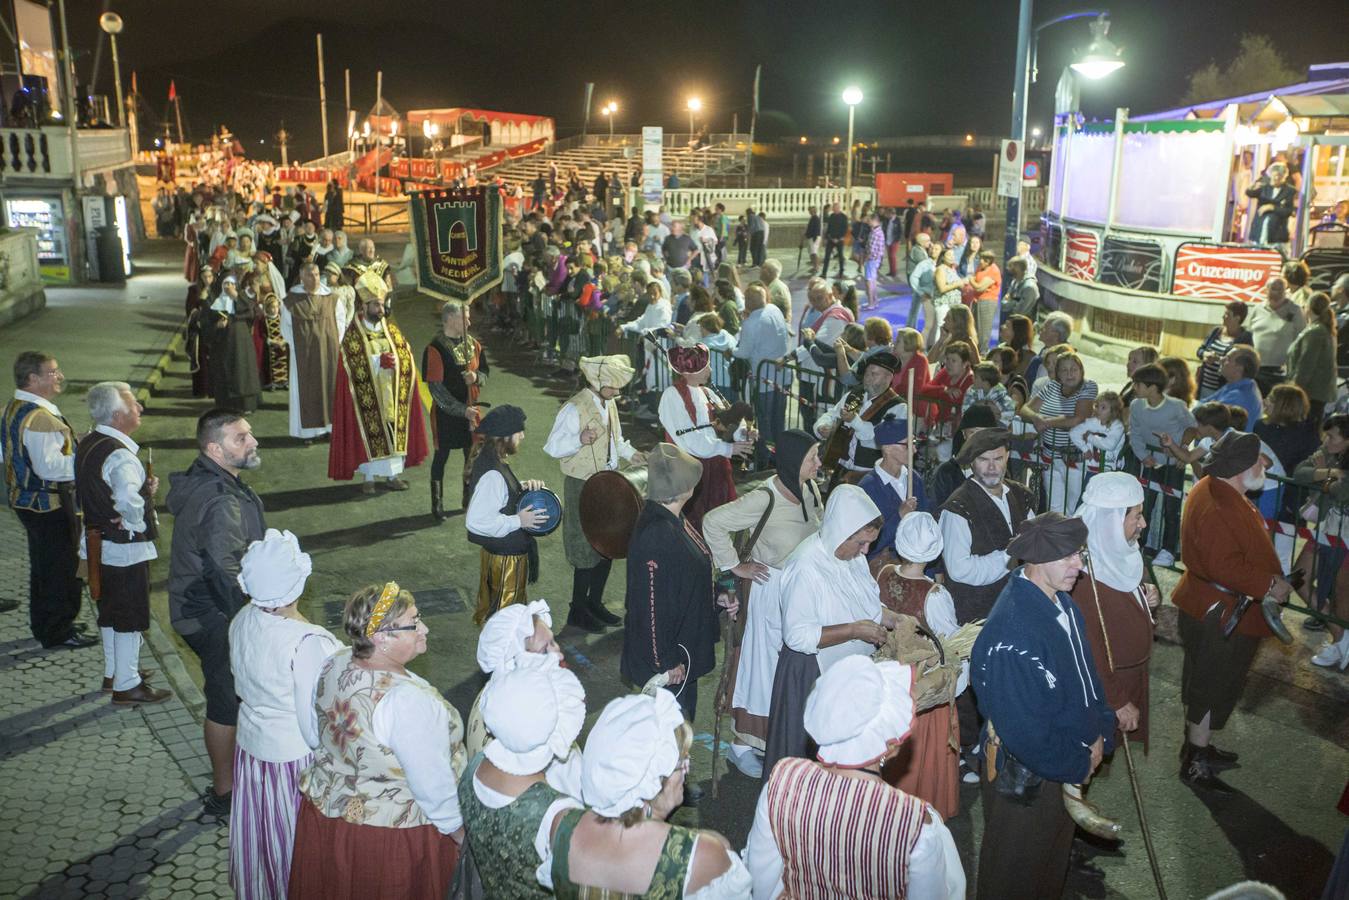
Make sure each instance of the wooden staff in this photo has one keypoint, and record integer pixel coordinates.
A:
(908, 492)
(1128, 756)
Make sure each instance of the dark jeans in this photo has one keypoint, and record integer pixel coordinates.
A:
(832, 245)
(756, 248)
(53, 589)
(740, 251)
(770, 413)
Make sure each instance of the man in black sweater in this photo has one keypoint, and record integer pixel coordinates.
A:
(835, 230)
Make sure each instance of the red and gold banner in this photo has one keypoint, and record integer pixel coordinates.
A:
(1226, 273)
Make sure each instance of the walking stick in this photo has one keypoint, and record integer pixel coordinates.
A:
(720, 700)
(908, 490)
(1128, 755)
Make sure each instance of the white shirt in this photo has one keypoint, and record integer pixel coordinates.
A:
(123, 472)
(827, 330)
(900, 484)
(484, 516)
(565, 438)
(44, 447)
(543, 844)
(701, 442)
(656, 315)
(416, 728)
(935, 872)
(961, 565)
(863, 433)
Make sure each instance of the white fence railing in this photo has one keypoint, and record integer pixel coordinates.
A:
(44, 153)
(779, 204)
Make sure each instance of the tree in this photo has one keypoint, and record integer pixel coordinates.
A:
(1257, 66)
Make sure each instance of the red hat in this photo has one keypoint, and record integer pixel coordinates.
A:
(688, 360)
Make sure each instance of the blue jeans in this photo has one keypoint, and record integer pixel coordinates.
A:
(770, 413)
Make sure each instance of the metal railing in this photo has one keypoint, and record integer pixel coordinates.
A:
(374, 216)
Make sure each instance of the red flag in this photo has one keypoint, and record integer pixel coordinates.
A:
(173, 91)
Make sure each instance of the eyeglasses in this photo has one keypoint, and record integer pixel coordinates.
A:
(416, 623)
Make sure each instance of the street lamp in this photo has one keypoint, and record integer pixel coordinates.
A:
(694, 105)
(609, 109)
(851, 96)
(1101, 58)
(111, 23)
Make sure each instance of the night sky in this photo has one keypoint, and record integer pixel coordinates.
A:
(931, 68)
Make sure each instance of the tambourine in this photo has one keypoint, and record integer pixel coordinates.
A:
(546, 500)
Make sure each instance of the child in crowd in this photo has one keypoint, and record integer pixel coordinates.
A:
(1102, 435)
(1152, 415)
(709, 329)
(987, 388)
(1137, 358)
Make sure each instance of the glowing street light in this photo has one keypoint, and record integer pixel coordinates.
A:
(111, 23)
(695, 104)
(608, 111)
(852, 95)
(1102, 56)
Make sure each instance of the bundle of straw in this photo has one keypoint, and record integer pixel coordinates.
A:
(958, 645)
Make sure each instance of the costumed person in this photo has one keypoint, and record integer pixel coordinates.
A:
(1048, 722)
(198, 346)
(1228, 557)
(928, 766)
(831, 610)
(637, 760)
(509, 559)
(831, 826)
(687, 413)
(855, 417)
(587, 437)
(276, 655)
(510, 809)
(379, 426)
(313, 319)
(234, 361)
(520, 636)
(380, 816)
(117, 499)
(671, 627)
(1112, 508)
(888, 486)
(38, 446)
(455, 367)
(751, 538)
(274, 355)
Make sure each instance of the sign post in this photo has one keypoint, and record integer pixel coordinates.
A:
(1009, 170)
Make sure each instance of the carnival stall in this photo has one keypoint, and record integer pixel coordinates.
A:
(1148, 229)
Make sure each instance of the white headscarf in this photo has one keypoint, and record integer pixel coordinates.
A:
(918, 539)
(858, 708)
(534, 714)
(630, 750)
(1105, 502)
(274, 570)
(501, 644)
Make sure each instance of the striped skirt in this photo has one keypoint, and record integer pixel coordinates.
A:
(262, 824)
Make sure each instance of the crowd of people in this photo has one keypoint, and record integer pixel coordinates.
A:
(943, 577)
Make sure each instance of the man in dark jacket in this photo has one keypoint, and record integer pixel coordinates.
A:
(835, 230)
(216, 517)
(1048, 719)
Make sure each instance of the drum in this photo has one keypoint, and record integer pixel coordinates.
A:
(610, 504)
(547, 501)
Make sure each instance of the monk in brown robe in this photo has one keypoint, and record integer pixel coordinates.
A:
(1116, 604)
(313, 318)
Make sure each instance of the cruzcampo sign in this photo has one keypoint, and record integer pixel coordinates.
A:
(457, 236)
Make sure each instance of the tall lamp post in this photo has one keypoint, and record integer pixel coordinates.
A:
(852, 96)
(695, 104)
(609, 109)
(111, 23)
(1101, 58)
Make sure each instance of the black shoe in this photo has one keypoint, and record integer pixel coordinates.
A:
(1307, 624)
(213, 804)
(76, 641)
(437, 501)
(601, 613)
(1220, 759)
(692, 794)
(8, 604)
(582, 619)
(1196, 771)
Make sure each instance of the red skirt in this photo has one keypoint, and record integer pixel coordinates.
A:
(336, 860)
(715, 488)
(926, 766)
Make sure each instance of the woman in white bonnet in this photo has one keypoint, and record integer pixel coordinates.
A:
(276, 655)
(636, 762)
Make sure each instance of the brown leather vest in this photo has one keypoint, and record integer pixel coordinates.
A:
(988, 532)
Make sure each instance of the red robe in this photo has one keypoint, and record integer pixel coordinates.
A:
(347, 450)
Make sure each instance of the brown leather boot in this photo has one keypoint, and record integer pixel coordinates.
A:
(140, 695)
(438, 501)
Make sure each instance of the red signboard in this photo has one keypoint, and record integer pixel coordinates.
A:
(1084, 251)
(1224, 273)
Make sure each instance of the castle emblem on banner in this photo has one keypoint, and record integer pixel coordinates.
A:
(457, 236)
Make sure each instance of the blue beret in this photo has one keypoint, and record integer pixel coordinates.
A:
(502, 421)
(891, 431)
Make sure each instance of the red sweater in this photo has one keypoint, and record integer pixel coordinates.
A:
(900, 383)
(952, 396)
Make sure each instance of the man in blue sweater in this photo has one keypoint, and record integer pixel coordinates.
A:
(1048, 719)
(887, 486)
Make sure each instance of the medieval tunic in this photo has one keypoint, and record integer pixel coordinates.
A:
(196, 306)
(379, 427)
(1129, 624)
(380, 799)
(1227, 552)
(889, 494)
(976, 528)
(509, 558)
(584, 410)
(445, 361)
(761, 609)
(228, 328)
(1033, 670)
(928, 766)
(671, 604)
(818, 590)
(310, 325)
(819, 833)
(686, 416)
(273, 352)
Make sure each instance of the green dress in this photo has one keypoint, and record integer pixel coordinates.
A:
(667, 883)
(502, 840)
